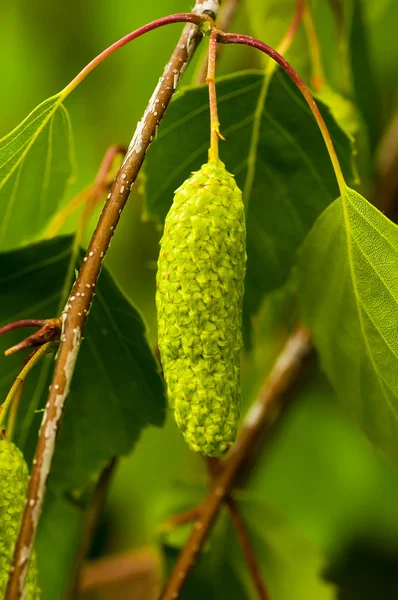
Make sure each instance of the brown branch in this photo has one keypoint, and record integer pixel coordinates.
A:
(112, 570)
(50, 332)
(261, 416)
(224, 21)
(22, 323)
(93, 515)
(181, 519)
(214, 468)
(78, 305)
(247, 548)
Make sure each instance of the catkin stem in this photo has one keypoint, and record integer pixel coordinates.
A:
(211, 82)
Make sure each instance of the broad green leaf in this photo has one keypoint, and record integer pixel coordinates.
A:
(275, 150)
(349, 293)
(116, 390)
(35, 166)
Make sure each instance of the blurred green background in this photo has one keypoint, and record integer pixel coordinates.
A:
(320, 475)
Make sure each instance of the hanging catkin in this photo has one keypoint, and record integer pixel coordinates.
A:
(13, 484)
(200, 279)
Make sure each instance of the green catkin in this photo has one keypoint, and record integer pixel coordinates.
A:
(199, 295)
(13, 484)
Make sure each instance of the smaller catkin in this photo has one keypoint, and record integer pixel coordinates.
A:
(199, 296)
(13, 484)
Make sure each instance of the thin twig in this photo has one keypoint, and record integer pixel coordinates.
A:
(247, 548)
(180, 519)
(79, 302)
(214, 467)
(22, 323)
(224, 21)
(111, 570)
(261, 415)
(91, 522)
(50, 332)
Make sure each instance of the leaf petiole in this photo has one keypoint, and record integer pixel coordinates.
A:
(198, 20)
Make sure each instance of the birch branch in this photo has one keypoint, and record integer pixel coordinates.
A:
(78, 305)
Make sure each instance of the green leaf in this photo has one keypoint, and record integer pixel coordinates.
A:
(349, 293)
(35, 166)
(291, 181)
(116, 390)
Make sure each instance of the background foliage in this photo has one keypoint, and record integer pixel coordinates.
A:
(322, 498)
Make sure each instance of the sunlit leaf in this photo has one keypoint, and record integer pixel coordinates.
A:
(349, 286)
(35, 166)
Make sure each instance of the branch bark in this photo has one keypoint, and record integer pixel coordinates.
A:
(111, 572)
(93, 516)
(77, 308)
(260, 418)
